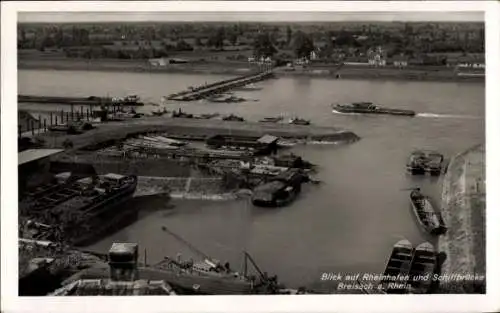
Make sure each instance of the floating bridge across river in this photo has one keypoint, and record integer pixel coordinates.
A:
(219, 87)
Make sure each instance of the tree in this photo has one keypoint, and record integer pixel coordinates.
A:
(303, 44)
(233, 38)
(288, 34)
(217, 39)
(197, 42)
(263, 47)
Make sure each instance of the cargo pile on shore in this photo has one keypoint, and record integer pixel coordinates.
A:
(463, 208)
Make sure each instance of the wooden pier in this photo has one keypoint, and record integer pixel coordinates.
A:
(219, 87)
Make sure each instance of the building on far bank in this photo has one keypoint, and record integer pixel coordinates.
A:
(400, 61)
(377, 56)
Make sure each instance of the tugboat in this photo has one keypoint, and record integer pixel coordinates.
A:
(299, 121)
(369, 108)
(429, 220)
(280, 190)
(422, 268)
(234, 118)
(275, 119)
(396, 274)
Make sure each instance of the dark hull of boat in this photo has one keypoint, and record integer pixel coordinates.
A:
(423, 266)
(277, 202)
(107, 214)
(416, 170)
(380, 111)
(270, 120)
(399, 264)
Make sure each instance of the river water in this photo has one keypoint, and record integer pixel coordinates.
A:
(348, 223)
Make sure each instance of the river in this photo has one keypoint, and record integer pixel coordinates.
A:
(349, 223)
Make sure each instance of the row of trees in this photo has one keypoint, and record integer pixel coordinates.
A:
(269, 42)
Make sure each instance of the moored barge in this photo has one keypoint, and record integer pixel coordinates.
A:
(279, 190)
(396, 274)
(85, 208)
(422, 268)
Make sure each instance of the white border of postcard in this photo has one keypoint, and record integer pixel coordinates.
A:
(438, 303)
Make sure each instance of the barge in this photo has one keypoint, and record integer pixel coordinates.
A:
(429, 220)
(422, 268)
(234, 118)
(280, 190)
(275, 119)
(369, 108)
(423, 161)
(83, 209)
(299, 121)
(396, 274)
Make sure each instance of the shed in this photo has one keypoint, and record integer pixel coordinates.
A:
(268, 139)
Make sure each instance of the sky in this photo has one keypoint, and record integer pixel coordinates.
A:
(62, 17)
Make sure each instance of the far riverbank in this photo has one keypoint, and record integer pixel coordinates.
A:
(239, 68)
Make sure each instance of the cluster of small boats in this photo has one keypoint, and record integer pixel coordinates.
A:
(410, 269)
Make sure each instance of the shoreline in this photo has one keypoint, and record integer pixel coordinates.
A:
(239, 68)
(463, 206)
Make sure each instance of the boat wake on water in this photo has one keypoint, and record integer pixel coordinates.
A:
(342, 113)
(433, 115)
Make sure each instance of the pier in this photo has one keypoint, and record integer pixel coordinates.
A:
(185, 128)
(219, 87)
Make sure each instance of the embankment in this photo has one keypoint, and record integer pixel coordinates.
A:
(417, 73)
(115, 65)
(184, 188)
(463, 210)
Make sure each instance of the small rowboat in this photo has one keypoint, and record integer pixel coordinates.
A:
(429, 220)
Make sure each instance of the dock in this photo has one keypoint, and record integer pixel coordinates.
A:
(219, 87)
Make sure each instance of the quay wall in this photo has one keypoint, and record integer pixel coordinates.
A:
(463, 209)
(184, 188)
(129, 166)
